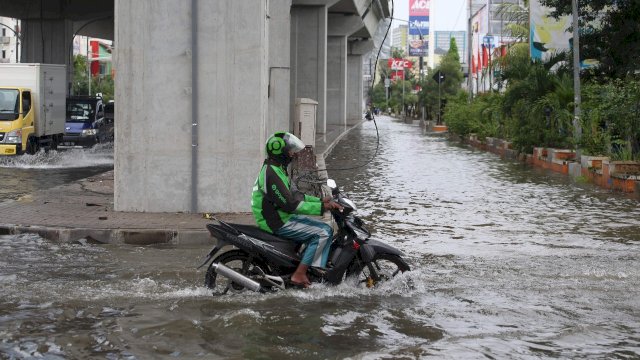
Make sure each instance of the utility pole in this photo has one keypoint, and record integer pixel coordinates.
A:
(577, 129)
(439, 101)
(404, 111)
(88, 66)
(469, 54)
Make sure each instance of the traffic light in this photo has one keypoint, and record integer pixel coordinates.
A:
(439, 77)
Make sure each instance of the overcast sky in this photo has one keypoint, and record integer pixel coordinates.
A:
(445, 15)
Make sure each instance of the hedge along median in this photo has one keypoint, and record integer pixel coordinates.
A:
(621, 176)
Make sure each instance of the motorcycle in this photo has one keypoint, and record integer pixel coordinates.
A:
(245, 257)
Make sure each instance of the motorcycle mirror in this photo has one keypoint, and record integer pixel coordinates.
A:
(333, 186)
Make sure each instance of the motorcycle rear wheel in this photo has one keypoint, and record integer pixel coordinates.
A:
(236, 260)
(387, 266)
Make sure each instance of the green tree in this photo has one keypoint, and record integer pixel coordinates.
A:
(80, 75)
(397, 53)
(434, 95)
(99, 84)
(610, 33)
(453, 50)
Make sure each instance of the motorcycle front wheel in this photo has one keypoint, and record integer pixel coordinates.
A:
(385, 267)
(236, 260)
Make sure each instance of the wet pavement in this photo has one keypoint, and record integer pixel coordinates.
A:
(508, 262)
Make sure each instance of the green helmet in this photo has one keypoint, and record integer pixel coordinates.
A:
(280, 144)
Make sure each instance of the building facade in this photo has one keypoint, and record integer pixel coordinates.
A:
(9, 41)
(488, 39)
(399, 39)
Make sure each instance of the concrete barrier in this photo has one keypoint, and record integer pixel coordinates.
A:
(621, 176)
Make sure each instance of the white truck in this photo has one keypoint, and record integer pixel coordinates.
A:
(32, 107)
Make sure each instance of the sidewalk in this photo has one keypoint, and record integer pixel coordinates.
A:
(84, 209)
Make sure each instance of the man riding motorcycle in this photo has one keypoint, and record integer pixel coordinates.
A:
(279, 211)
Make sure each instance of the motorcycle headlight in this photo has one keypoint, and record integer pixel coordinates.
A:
(13, 137)
(87, 132)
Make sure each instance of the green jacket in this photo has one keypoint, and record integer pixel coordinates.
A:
(273, 203)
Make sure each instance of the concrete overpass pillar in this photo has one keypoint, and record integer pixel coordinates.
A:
(178, 122)
(309, 58)
(279, 89)
(355, 88)
(337, 80)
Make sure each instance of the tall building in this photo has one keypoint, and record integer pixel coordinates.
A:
(399, 38)
(9, 44)
(442, 43)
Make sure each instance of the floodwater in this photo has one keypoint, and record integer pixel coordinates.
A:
(21, 175)
(508, 262)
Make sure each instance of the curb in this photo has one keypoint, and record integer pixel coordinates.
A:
(138, 237)
(329, 148)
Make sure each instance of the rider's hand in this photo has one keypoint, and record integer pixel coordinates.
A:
(332, 205)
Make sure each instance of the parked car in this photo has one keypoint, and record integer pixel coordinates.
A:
(85, 124)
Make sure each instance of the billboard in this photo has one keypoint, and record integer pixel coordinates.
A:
(419, 17)
(419, 7)
(547, 35)
(418, 47)
(419, 25)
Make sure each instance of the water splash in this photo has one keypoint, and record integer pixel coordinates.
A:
(99, 155)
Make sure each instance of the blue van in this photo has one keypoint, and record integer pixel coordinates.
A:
(85, 123)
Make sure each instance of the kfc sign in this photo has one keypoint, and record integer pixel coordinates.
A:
(397, 75)
(399, 64)
(419, 7)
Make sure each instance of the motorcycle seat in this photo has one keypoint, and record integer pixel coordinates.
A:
(280, 243)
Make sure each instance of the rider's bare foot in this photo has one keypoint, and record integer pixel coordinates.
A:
(300, 281)
(299, 277)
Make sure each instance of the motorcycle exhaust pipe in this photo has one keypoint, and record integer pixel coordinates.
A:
(236, 277)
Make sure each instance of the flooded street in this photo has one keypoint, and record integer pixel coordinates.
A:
(508, 262)
(22, 175)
